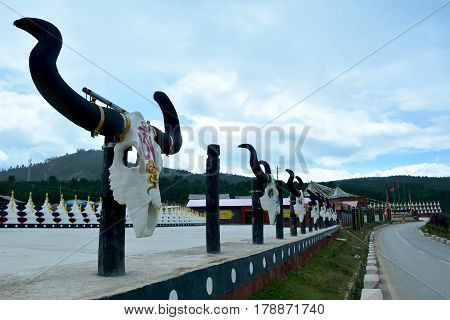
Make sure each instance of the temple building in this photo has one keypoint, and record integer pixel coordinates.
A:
(337, 196)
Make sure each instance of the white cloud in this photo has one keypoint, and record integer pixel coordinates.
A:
(421, 169)
(338, 134)
(239, 65)
(32, 129)
(3, 156)
(431, 169)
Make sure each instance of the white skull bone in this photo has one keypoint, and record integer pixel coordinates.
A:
(138, 187)
(299, 207)
(315, 212)
(270, 201)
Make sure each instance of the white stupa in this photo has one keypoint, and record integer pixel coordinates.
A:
(62, 210)
(12, 211)
(30, 210)
(47, 212)
(99, 210)
(75, 212)
(89, 212)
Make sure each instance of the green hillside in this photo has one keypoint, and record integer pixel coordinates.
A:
(79, 174)
(87, 164)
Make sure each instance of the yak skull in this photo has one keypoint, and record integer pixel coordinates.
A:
(137, 187)
(270, 201)
(315, 212)
(299, 207)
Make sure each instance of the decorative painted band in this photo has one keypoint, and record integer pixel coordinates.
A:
(216, 281)
(87, 225)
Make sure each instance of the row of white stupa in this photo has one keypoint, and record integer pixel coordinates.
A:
(420, 207)
(168, 215)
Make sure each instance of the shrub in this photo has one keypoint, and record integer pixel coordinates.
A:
(439, 220)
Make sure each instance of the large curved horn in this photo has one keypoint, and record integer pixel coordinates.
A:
(321, 200)
(170, 141)
(55, 90)
(266, 166)
(312, 196)
(290, 183)
(300, 182)
(254, 163)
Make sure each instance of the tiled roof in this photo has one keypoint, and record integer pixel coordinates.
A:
(328, 192)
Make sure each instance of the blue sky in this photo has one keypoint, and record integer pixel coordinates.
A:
(233, 66)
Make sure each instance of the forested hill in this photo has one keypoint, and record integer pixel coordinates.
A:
(85, 164)
(79, 173)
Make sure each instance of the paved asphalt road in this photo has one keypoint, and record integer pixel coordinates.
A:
(412, 267)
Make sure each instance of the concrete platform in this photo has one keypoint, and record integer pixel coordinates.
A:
(371, 262)
(371, 294)
(62, 264)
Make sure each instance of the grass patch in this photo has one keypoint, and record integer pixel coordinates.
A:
(327, 274)
(436, 230)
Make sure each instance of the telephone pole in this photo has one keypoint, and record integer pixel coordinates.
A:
(29, 170)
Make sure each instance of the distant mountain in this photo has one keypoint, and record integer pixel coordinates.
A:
(87, 164)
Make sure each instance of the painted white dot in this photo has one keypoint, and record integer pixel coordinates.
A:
(250, 268)
(282, 254)
(173, 295)
(233, 275)
(289, 251)
(274, 258)
(209, 285)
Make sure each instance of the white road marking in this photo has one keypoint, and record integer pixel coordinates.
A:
(401, 238)
(443, 261)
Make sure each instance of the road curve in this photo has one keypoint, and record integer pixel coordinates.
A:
(412, 266)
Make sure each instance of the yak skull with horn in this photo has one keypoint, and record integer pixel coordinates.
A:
(314, 200)
(299, 208)
(300, 200)
(269, 200)
(135, 187)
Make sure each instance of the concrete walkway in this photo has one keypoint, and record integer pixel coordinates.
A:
(62, 264)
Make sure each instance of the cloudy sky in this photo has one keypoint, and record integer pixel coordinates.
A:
(234, 70)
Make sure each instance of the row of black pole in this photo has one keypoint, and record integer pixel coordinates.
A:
(213, 216)
(358, 214)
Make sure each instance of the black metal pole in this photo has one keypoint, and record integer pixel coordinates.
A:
(212, 199)
(257, 213)
(354, 219)
(316, 224)
(111, 248)
(320, 219)
(361, 217)
(280, 217)
(292, 216)
(303, 224)
(310, 219)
